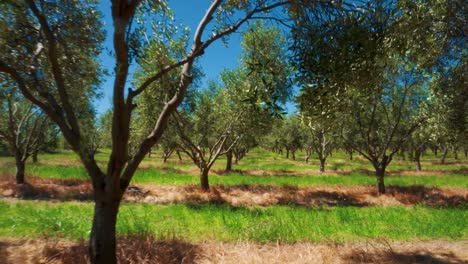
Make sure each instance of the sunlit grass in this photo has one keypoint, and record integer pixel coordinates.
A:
(260, 159)
(340, 170)
(225, 223)
(173, 177)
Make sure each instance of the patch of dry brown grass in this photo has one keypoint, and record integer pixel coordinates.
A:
(149, 250)
(261, 195)
(385, 252)
(130, 250)
(241, 195)
(49, 189)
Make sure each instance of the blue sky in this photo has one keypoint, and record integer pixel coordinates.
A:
(217, 57)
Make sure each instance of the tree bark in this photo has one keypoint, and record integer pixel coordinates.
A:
(293, 154)
(350, 155)
(380, 173)
(178, 155)
(229, 161)
(237, 157)
(444, 155)
(20, 167)
(322, 165)
(287, 153)
(417, 159)
(102, 247)
(204, 184)
(34, 156)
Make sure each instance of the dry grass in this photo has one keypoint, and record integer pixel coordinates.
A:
(147, 250)
(260, 195)
(382, 251)
(130, 250)
(46, 189)
(242, 195)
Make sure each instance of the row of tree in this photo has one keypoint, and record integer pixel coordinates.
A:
(375, 71)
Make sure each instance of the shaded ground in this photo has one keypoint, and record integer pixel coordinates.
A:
(261, 195)
(148, 250)
(337, 172)
(242, 195)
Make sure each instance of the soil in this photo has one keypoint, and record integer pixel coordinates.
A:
(149, 250)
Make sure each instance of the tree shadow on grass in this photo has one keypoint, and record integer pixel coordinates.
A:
(53, 192)
(429, 196)
(267, 195)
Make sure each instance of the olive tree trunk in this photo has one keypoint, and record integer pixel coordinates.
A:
(322, 165)
(229, 160)
(417, 160)
(20, 168)
(102, 247)
(444, 155)
(34, 156)
(380, 174)
(204, 184)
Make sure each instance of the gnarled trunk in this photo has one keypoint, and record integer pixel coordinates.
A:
(204, 184)
(102, 247)
(380, 174)
(287, 153)
(350, 155)
(444, 155)
(228, 160)
(20, 168)
(34, 156)
(293, 154)
(417, 160)
(166, 155)
(322, 165)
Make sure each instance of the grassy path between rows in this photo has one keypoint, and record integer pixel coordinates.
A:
(449, 179)
(71, 220)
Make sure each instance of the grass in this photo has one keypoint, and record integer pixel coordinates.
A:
(169, 177)
(220, 222)
(72, 220)
(259, 159)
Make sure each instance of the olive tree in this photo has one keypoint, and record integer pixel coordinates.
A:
(54, 45)
(22, 127)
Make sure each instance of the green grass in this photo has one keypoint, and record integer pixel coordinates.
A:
(260, 159)
(169, 177)
(277, 223)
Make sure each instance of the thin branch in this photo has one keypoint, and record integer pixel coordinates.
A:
(56, 68)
